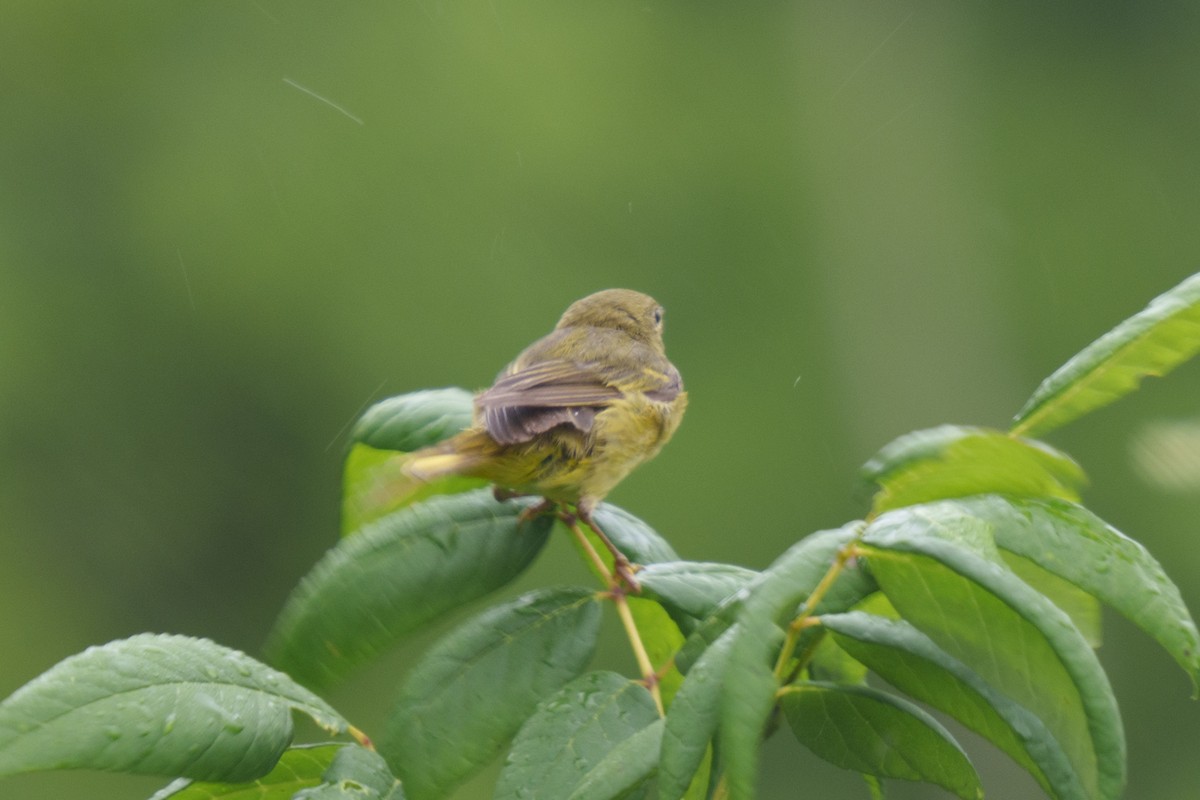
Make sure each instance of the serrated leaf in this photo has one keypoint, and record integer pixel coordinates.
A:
(1079, 547)
(859, 728)
(398, 574)
(470, 693)
(910, 661)
(299, 768)
(749, 688)
(1152, 342)
(956, 461)
(572, 733)
(982, 614)
(411, 421)
(692, 720)
(692, 591)
(156, 705)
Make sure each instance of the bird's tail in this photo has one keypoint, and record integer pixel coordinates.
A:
(383, 482)
(459, 455)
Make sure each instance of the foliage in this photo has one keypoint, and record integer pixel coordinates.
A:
(971, 588)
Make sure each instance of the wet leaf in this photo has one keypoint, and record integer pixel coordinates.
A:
(398, 574)
(692, 720)
(572, 734)
(299, 768)
(470, 693)
(157, 705)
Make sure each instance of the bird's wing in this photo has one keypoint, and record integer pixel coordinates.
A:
(530, 399)
(556, 382)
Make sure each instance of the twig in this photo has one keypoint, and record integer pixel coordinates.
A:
(802, 620)
(616, 592)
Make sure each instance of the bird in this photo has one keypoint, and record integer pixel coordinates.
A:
(571, 416)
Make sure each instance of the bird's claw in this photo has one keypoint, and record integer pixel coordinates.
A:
(624, 571)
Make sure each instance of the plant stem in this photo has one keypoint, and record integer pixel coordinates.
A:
(597, 562)
(802, 619)
(649, 674)
(616, 592)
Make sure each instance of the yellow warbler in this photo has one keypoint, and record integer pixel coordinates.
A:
(575, 412)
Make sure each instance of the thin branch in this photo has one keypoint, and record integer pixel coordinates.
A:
(814, 599)
(616, 592)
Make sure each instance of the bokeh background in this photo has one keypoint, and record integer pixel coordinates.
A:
(226, 227)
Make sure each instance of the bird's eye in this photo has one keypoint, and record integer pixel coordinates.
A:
(658, 316)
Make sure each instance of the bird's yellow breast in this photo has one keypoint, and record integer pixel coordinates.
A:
(629, 432)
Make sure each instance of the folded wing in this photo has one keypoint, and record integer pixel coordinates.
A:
(538, 397)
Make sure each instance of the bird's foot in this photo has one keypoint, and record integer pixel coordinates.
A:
(537, 510)
(501, 494)
(625, 574)
(547, 506)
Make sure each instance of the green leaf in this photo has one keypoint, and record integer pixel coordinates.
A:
(397, 574)
(373, 482)
(411, 421)
(955, 461)
(662, 639)
(830, 662)
(709, 630)
(307, 772)
(750, 685)
(299, 768)
(470, 693)
(355, 774)
(1076, 545)
(704, 781)
(692, 720)
(1152, 342)
(156, 705)
(627, 765)
(692, 591)
(640, 543)
(982, 614)
(910, 661)
(571, 734)
(866, 730)
(1081, 607)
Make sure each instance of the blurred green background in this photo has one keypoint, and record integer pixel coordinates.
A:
(225, 227)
